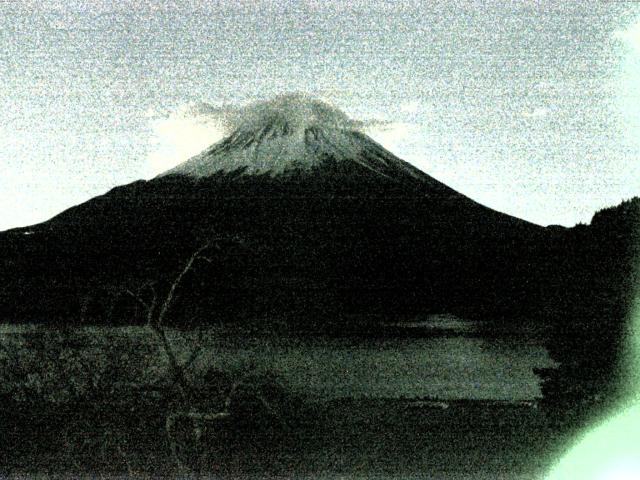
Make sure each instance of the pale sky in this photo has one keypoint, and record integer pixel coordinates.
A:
(531, 108)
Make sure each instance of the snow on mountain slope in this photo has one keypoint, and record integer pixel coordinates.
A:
(292, 135)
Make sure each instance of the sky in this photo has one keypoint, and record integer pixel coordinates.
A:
(531, 108)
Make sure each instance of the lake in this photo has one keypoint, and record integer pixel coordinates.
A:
(440, 367)
(450, 365)
(374, 434)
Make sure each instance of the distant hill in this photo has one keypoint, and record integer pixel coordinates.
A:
(590, 301)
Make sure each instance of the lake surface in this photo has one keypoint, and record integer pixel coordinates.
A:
(441, 367)
(371, 436)
(450, 366)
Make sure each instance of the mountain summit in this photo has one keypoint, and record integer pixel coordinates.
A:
(295, 135)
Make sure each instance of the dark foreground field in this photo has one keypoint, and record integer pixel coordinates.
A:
(359, 439)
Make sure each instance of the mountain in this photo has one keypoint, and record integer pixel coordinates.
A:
(312, 220)
(317, 220)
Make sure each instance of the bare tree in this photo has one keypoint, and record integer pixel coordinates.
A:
(157, 309)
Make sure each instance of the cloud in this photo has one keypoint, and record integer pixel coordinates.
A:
(389, 134)
(81, 22)
(630, 35)
(185, 132)
(410, 107)
(299, 108)
(538, 112)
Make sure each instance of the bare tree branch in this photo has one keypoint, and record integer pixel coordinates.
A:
(177, 370)
(156, 319)
(157, 308)
(176, 283)
(152, 307)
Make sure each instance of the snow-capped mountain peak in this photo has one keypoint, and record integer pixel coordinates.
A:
(292, 135)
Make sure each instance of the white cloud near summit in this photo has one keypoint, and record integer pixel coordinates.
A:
(630, 35)
(412, 106)
(184, 132)
(390, 135)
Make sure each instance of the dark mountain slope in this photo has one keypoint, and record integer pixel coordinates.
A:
(392, 252)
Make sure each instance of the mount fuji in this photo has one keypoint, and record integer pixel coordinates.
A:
(312, 219)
